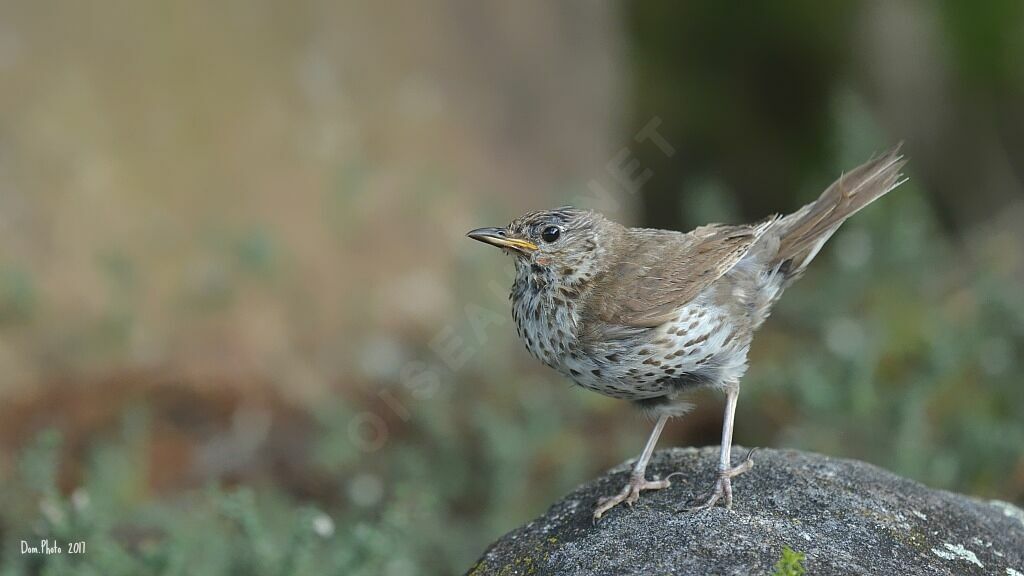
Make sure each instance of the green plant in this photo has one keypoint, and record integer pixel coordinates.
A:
(790, 564)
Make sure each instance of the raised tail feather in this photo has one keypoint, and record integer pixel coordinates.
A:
(803, 232)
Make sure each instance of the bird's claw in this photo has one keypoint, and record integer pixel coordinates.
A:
(629, 494)
(722, 490)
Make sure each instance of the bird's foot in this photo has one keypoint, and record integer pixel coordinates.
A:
(722, 490)
(630, 493)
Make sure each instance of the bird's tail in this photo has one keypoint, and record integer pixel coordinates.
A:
(802, 233)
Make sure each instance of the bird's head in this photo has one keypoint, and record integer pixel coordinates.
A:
(566, 242)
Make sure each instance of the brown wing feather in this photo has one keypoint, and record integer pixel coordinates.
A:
(661, 271)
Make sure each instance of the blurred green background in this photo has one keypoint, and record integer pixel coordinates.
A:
(241, 331)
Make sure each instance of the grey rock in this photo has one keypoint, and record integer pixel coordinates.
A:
(847, 517)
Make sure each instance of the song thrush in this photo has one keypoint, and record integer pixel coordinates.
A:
(647, 315)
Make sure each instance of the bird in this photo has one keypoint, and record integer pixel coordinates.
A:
(649, 315)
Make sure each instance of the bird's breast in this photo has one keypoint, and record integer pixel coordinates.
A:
(699, 346)
(547, 325)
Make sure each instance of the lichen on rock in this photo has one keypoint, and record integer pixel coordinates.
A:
(845, 517)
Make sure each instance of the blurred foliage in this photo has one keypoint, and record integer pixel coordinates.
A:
(747, 96)
(884, 353)
(206, 533)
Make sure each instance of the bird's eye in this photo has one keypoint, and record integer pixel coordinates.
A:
(550, 234)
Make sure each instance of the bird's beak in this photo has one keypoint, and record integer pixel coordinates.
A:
(500, 237)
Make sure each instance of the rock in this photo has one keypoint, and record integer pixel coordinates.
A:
(846, 517)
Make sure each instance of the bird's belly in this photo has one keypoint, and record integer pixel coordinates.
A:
(699, 347)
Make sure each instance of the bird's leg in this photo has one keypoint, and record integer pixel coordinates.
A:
(637, 482)
(723, 485)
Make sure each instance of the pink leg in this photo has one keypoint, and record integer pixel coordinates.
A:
(637, 482)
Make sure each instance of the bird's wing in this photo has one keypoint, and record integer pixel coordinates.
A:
(662, 271)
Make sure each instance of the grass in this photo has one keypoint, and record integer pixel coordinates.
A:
(790, 564)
